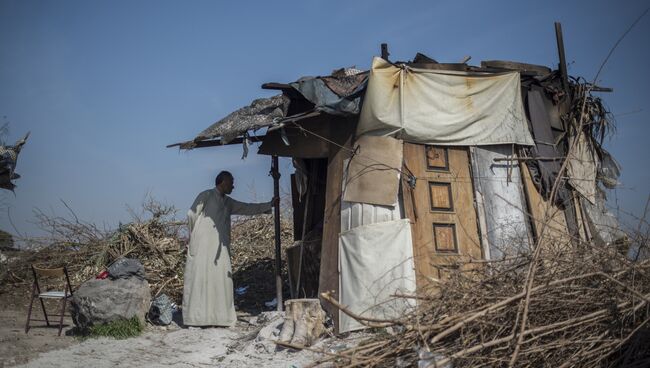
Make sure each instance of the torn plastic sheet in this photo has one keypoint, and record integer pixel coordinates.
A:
(8, 159)
(544, 173)
(260, 113)
(609, 170)
(603, 225)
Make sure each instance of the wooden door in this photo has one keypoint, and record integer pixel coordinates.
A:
(441, 207)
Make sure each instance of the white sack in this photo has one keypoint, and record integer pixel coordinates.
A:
(444, 107)
(376, 261)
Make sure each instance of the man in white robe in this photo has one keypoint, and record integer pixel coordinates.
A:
(208, 288)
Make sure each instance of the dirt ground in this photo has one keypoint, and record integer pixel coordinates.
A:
(17, 348)
(247, 344)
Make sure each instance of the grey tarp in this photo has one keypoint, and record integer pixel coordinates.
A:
(332, 95)
(543, 172)
(125, 268)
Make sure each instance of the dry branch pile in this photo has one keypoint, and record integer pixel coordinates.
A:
(157, 240)
(588, 307)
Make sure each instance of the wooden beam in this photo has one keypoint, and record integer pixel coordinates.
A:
(218, 142)
(595, 88)
(276, 86)
(527, 69)
(329, 263)
(560, 50)
(384, 51)
(500, 159)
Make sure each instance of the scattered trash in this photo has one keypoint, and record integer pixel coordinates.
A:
(102, 275)
(430, 360)
(401, 362)
(336, 348)
(241, 290)
(272, 304)
(161, 311)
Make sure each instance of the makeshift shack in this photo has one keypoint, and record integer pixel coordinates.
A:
(410, 170)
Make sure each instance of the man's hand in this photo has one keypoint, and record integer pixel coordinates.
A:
(275, 201)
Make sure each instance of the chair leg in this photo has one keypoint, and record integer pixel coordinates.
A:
(29, 313)
(63, 302)
(44, 312)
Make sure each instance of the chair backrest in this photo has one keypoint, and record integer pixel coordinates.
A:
(51, 273)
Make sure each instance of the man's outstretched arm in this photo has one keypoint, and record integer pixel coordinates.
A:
(242, 208)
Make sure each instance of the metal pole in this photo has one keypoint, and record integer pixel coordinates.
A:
(275, 173)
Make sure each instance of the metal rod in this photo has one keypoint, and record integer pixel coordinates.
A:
(217, 142)
(275, 173)
(499, 159)
(560, 50)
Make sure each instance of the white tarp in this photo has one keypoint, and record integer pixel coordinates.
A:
(355, 214)
(376, 261)
(444, 107)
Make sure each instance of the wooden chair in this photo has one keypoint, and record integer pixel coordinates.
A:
(51, 275)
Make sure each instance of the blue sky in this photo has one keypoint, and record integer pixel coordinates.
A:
(105, 86)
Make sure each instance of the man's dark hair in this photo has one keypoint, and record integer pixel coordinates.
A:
(222, 176)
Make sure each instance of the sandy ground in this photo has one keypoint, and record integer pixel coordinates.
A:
(16, 347)
(247, 344)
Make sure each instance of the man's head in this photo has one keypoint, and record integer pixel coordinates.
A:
(225, 182)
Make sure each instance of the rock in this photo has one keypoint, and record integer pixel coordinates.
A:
(102, 301)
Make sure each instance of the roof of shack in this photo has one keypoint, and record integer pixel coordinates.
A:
(340, 93)
(336, 94)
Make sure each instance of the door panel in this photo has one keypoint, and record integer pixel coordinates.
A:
(441, 207)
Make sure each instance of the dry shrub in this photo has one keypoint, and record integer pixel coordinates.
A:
(155, 238)
(588, 306)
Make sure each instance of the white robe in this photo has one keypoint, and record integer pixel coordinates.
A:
(208, 289)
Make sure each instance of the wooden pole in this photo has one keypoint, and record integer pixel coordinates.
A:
(275, 173)
(560, 51)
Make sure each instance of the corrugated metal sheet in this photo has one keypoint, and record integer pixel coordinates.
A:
(500, 186)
